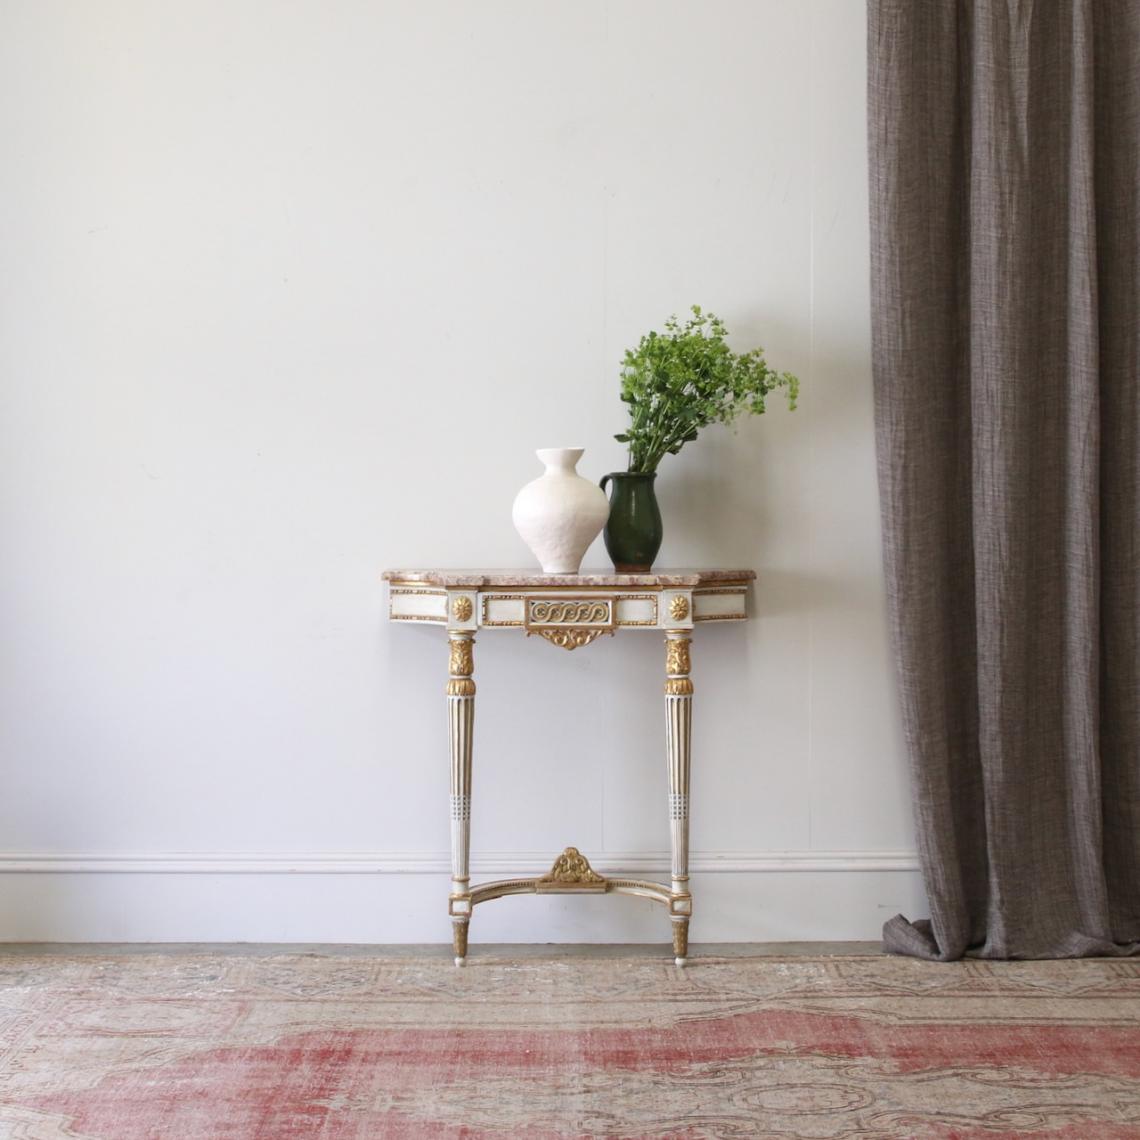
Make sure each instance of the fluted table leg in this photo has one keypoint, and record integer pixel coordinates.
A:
(461, 718)
(678, 732)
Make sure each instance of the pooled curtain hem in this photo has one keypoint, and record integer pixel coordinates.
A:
(916, 940)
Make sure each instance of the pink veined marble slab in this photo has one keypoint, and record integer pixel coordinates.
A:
(477, 578)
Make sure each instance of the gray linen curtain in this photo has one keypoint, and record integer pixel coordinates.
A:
(1005, 211)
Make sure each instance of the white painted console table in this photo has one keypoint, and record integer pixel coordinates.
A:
(568, 610)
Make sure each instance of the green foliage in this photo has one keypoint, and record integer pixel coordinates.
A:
(686, 378)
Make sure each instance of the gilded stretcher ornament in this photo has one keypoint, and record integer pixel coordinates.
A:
(571, 872)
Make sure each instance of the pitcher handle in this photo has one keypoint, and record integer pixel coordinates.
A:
(605, 479)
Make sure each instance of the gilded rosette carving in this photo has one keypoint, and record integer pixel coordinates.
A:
(677, 655)
(461, 608)
(570, 638)
(462, 657)
(679, 607)
(571, 867)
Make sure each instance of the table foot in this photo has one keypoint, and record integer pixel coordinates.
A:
(459, 941)
(680, 940)
(680, 961)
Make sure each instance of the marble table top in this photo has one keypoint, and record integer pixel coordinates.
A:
(475, 579)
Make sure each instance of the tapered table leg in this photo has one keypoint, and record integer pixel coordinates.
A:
(461, 718)
(678, 733)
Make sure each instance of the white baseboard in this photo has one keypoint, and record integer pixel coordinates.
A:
(386, 897)
(439, 863)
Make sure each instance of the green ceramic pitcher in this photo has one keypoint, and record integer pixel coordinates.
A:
(633, 533)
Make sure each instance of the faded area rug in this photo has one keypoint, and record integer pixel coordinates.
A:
(223, 1047)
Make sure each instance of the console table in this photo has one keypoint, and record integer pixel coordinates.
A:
(569, 611)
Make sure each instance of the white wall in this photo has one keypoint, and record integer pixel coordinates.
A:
(289, 293)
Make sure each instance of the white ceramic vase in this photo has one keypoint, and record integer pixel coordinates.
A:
(560, 513)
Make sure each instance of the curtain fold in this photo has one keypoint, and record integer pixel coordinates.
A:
(1004, 144)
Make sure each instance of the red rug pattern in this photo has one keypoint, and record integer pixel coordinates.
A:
(231, 1047)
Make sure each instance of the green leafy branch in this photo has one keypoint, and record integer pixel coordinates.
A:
(686, 378)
